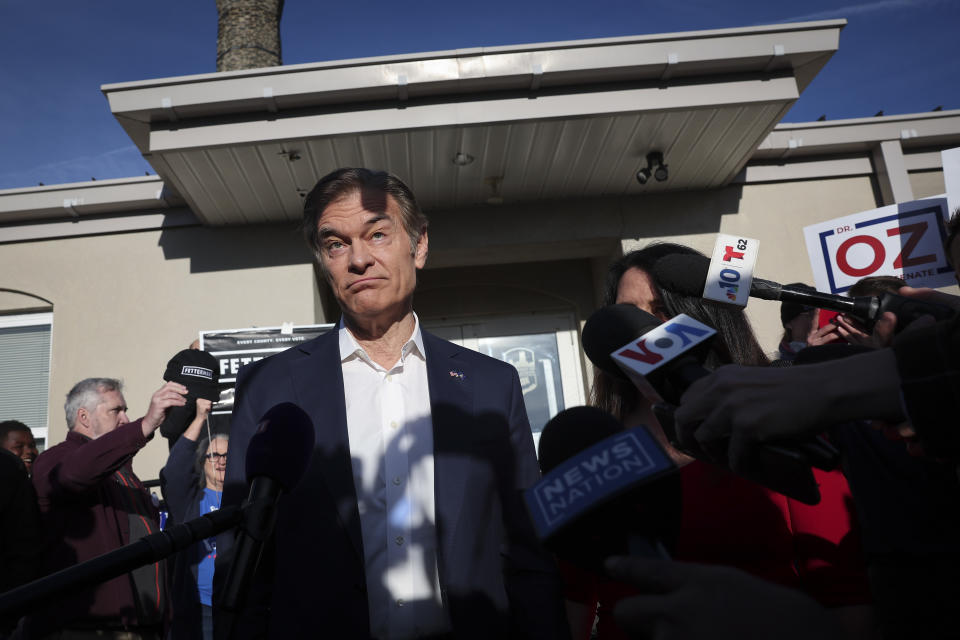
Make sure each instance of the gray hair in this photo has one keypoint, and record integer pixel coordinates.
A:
(86, 395)
(201, 456)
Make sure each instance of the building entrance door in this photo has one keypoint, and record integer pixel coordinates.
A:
(543, 348)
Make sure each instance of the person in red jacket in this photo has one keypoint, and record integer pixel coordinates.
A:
(91, 503)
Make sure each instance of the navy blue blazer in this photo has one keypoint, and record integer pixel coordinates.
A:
(496, 580)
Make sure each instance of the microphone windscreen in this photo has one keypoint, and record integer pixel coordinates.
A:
(282, 445)
(682, 273)
(572, 431)
(610, 328)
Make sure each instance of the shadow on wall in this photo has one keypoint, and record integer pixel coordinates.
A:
(227, 248)
(562, 285)
(674, 215)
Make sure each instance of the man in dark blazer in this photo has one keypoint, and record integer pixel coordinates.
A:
(409, 521)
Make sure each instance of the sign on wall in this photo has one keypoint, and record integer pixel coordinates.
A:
(904, 240)
(234, 348)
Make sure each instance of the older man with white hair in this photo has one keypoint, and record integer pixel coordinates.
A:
(92, 502)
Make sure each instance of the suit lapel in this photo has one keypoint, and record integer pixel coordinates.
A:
(451, 399)
(318, 385)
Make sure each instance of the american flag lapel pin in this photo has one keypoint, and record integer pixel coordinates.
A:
(457, 374)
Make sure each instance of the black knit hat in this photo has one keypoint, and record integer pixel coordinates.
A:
(198, 371)
(790, 310)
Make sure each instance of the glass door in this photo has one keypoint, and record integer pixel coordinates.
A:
(543, 348)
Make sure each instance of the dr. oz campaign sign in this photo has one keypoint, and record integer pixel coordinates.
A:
(594, 476)
(904, 240)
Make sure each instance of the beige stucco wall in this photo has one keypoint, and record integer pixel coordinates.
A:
(927, 183)
(125, 303)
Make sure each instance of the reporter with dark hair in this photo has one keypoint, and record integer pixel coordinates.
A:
(709, 515)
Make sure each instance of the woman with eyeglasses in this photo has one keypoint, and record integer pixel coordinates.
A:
(192, 484)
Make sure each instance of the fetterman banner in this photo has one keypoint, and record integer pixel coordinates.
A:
(234, 348)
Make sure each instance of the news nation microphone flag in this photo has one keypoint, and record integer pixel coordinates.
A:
(593, 477)
(904, 240)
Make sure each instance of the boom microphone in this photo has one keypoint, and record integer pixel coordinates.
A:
(586, 507)
(785, 467)
(147, 550)
(687, 274)
(277, 457)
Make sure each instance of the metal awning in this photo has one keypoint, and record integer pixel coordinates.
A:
(538, 122)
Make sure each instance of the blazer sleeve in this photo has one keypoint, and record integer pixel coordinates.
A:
(253, 620)
(531, 575)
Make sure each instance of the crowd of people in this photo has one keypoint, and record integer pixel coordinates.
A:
(409, 521)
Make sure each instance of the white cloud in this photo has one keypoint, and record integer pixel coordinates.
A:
(122, 162)
(860, 9)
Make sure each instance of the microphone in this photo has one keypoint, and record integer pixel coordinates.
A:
(687, 274)
(616, 329)
(277, 457)
(147, 550)
(586, 508)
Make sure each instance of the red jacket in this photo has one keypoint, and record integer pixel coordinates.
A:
(92, 503)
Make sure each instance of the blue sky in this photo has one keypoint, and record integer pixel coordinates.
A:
(896, 55)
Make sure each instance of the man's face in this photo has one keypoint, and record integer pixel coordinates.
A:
(108, 415)
(366, 255)
(22, 444)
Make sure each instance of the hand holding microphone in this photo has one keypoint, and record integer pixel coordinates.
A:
(743, 409)
(587, 506)
(664, 354)
(687, 274)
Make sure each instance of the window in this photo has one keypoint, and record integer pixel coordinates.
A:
(25, 371)
(543, 348)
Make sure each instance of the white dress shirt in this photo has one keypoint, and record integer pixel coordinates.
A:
(391, 449)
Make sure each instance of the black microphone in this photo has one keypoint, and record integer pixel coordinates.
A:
(277, 457)
(783, 467)
(590, 503)
(687, 274)
(146, 550)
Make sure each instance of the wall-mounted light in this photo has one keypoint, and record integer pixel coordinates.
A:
(292, 155)
(493, 183)
(655, 168)
(462, 159)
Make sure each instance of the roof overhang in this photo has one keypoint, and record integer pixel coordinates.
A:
(86, 199)
(917, 132)
(557, 120)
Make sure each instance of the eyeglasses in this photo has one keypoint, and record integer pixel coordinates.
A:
(215, 456)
